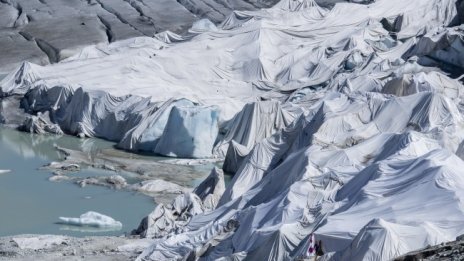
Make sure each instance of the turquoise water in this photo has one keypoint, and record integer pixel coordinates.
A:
(30, 204)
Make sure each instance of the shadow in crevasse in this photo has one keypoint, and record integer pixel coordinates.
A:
(459, 18)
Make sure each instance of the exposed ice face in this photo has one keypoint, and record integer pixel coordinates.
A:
(203, 25)
(190, 132)
(91, 219)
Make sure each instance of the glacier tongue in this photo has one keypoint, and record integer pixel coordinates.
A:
(344, 124)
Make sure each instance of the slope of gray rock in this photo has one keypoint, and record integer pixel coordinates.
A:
(48, 31)
(453, 250)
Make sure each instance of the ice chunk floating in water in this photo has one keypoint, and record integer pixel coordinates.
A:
(91, 219)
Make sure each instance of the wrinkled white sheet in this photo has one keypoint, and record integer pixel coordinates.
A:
(339, 122)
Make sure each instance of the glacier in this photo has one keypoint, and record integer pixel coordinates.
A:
(342, 120)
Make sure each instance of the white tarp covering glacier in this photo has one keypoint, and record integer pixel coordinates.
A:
(344, 123)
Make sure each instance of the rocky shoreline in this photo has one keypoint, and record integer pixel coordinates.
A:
(54, 247)
(449, 251)
(164, 219)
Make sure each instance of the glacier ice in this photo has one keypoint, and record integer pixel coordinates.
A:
(340, 121)
(4, 171)
(189, 132)
(91, 219)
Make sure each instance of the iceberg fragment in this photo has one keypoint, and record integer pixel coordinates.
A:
(91, 219)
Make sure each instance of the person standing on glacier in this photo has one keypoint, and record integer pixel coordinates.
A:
(311, 252)
(319, 249)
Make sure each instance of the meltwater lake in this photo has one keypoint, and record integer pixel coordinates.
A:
(31, 204)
